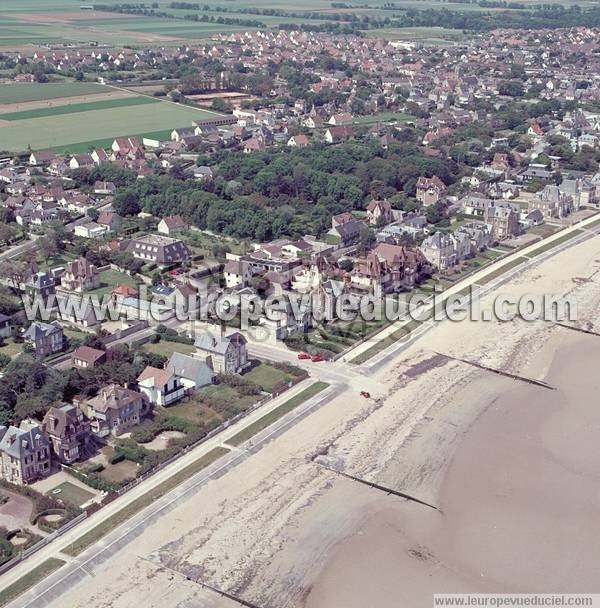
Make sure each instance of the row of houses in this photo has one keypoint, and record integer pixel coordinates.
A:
(67, 431)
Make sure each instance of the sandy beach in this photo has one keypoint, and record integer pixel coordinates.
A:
(519, 500)
(513, 468)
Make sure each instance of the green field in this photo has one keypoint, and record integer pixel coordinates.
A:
(96, 127)
(62, 20)
(79, 107)
(17, 93)
(382, 117)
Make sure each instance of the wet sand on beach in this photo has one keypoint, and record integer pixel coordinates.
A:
(520, 502)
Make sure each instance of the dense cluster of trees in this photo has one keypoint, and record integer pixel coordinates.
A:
(28, 387)
(287, 192)
(151, 11)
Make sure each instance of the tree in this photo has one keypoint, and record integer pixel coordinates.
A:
(346, 264)
(14, 270)
(8, 233)
(367, 240)
(127, 203)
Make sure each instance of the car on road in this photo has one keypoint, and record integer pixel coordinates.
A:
(303, 356)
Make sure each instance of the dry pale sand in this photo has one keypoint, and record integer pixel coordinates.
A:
(518, 502)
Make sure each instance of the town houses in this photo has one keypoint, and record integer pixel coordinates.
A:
(394, 167)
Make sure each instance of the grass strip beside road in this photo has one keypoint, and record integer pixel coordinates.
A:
(501, 270)
(277, 413)
(558, 241)
(109, 524)
(29, 580)
(386, 342)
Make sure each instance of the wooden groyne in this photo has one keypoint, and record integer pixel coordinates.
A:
(500, 372)
(573, 328)
(377, 486)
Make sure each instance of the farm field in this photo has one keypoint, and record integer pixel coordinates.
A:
(95, 125)
(17, 93)
(78, 107)
(41, 22)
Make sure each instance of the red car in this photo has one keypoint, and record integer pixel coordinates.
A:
(365, 394)
(303, 356)
(316, 358)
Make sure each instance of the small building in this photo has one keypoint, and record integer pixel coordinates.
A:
(193, 372)
(115, 410)
(171, 225)
(160, 386)
(24, 453)
(504, 221)
(298, 141)
(80, 276)
(379, 212)
(42, 158)
(69, 432)
(109, 219)
(41, 284)
(45, 338)
(161, 250)
(90, 230)
(104, 188)
(552, 202)
(228, 354)
(431, 190)
(86, 357)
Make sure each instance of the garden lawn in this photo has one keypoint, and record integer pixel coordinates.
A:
(10, 348)
(166, 348)
(267, 376)
(109, 279)
(71, 493)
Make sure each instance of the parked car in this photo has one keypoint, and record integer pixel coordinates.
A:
(303, 356)
(365, 394)
(316, 358)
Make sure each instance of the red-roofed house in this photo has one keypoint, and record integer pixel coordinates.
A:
(160, 386)
(172, 224)
(85, 357)
(430, 190)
